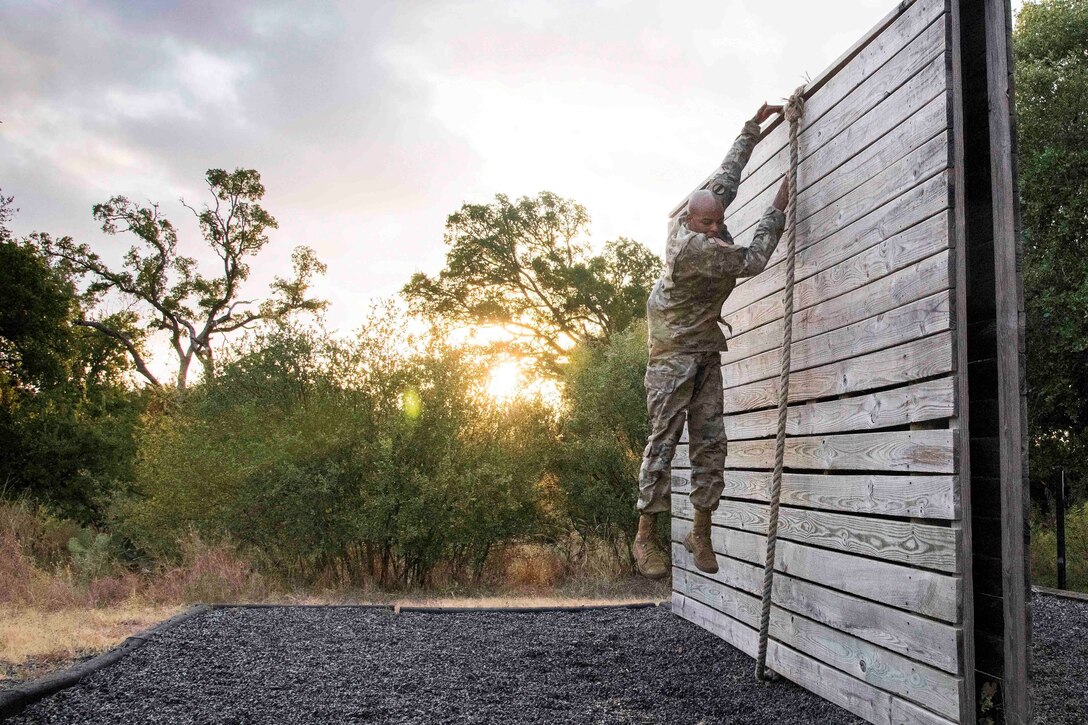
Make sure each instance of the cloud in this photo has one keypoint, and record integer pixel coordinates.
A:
(370, 122)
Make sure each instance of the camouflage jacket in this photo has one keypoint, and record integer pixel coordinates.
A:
(685, 304)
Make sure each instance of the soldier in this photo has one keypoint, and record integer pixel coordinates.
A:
(683, 375)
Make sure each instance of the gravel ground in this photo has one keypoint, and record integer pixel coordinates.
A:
(295, 665)
(1059, 673)
(344, 665)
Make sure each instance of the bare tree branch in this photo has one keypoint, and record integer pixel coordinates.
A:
(125, 340)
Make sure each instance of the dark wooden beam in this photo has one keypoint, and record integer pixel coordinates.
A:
(1008, 254)
(961, 423)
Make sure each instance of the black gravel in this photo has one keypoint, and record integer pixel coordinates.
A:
(310, 665)
(294, 665)
(1059, 675)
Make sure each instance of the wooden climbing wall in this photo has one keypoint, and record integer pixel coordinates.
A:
(901, 580)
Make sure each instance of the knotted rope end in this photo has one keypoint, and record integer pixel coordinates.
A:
(795, 105)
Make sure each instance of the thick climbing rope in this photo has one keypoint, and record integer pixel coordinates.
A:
(795, 107)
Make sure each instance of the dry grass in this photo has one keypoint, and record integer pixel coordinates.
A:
(34, 642)
(26, 633)
(54, 611)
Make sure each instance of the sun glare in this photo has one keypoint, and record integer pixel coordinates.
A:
(505, 380)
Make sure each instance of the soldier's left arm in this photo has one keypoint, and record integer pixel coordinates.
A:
(725, 183)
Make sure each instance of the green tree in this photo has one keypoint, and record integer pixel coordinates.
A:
(194, 310)
(604, 428)
(379, 456)
(67, 417)
(527, 267)
(1051, 46)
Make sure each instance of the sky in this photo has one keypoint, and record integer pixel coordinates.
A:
(370, 122)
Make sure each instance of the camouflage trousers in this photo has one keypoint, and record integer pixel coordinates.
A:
(683, 386)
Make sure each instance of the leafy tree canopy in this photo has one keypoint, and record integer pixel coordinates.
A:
(526, 266)
(1051, 45)
(67, 415)
(171, 294)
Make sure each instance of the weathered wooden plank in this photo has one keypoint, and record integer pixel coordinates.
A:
(919, 280)
(907, 172)
(897, 217)
(881, 153)
(861, 60)
(904, 542)
(924, 317)
(913, 96)
(872, 82)
(929, 593)
(903, 711)
(914, 245)
(877, 666)
(908, 634)
(739, 605)
(911, 361)
(816, 222)
(835, 170)
(868, 271)
(1008, 255)
(860, 698)
(928, 400)
(730, 629)
(922, 591)
(930, 496)
(920, 451)
(961, 424)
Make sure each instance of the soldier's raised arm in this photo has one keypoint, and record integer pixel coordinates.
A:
(725, 182)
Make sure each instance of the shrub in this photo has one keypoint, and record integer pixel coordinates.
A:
(604, 428)
(377, 457)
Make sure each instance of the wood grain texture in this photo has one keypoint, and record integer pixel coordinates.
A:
(921, 358)
(928, 400)
(961, 423)
(928, 496)
(914, 245)
(908, 634)
(1010, 336)
(857, 696)
(896, 217)
(929, 593)
(813, 227)
(868, 83)
(921, 451)
(904, 542)
(912, 283)
(883, 138)
(880, 667)
(911, 321)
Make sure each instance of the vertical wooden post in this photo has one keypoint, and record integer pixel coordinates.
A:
(1008, 255)
(961, 423)
(1060, 515)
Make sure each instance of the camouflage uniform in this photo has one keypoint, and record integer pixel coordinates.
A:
(683, 375)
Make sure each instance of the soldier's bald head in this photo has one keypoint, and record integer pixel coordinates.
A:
(705, 213)
(703, 203)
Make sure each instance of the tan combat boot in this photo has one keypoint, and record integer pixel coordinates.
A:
(698, 543)
(650, 559)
